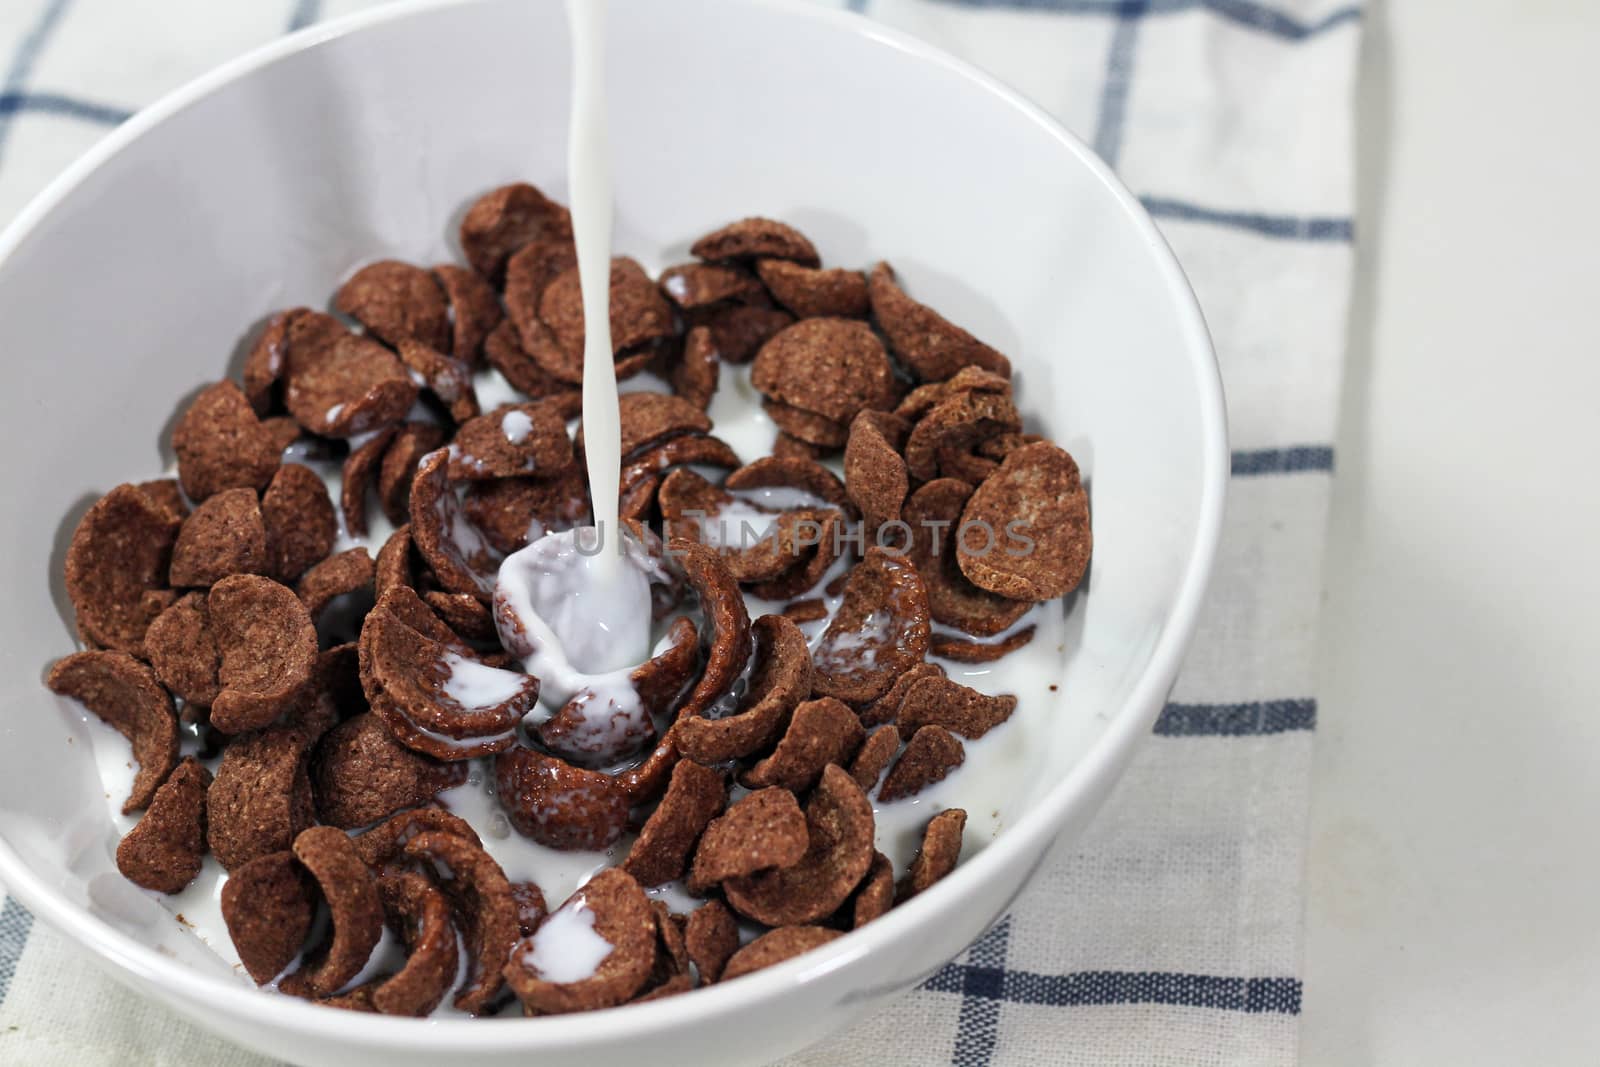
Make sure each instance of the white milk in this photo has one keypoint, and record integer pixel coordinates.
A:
(589, 179)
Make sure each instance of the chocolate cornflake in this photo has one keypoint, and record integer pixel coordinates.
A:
(125, 694)
(941, 848)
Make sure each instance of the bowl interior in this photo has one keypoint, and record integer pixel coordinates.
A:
(139, 283)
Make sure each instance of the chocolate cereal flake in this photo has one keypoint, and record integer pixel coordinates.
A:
(931, 754)
(931, 345)
(125, 694)
(163, 851)
(224, 535)
(396, 301)
(840, 824)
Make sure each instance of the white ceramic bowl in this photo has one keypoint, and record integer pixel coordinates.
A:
(129, 282)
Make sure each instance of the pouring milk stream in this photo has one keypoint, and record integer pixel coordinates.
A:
(590, 593)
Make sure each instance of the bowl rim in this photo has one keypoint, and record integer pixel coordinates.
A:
(1034, 830)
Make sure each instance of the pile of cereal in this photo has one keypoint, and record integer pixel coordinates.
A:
(215, 611)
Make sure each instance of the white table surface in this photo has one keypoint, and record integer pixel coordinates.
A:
(1455, 833)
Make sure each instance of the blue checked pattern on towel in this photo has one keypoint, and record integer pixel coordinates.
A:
(1170, 933)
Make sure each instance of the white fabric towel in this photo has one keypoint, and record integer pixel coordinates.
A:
(1170, 933)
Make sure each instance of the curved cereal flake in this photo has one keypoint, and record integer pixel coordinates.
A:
(448, 378)
(474, 311)
(875, 753)
(811, 609)
(879, 631)
(788, 446)
(282, 431)
(876, 895)
(360, 471)
(531, 908)
(727, 623)
(830, 367)
(839, 822)
(696, 374)
(165, 494)
(931, 754)
(812, 293)
(925, 341)
(163, 851)
(818, 540)
(611, 906)
(528, 274)
(260, 799)
(360, 774)
(941, 442)
(180, 647)
(396, 301)
(669, 974)
(510, 512)
(781, 679)
(224, 535)
(1036, 494)
(963, 651)
(755, 543)
(775, 946)
(940, 701)
(694, 797)
(464, 614)
(887, 707)
(636, 496)
(340, 384)
(353, 902)
(647, 779)
(711, 937)
(518, 440)
(800, 473)
(924, 398)
(941, 849)
(300, 522)
(263, 364)
(651, 419)
(393, 566)
(756, 238)
(268, 905)
(934, 514)
(399, 467)
(639, 313)
(444, 537)
(822, 732)
(819, 432)
(698, 285)
(557, 804)
(429, 690)
(221, 444)
(267, 646)
(874, 471)
(383, 846)
(124, 693)
(334, 693)
(763, 831)
(692, 448)
(484, 909)
(503, 220)
(415, 907)
(334, 577)
(526, 370)
(955, 426)
(739, 330)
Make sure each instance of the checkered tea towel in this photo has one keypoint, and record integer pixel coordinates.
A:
(1170, 934)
